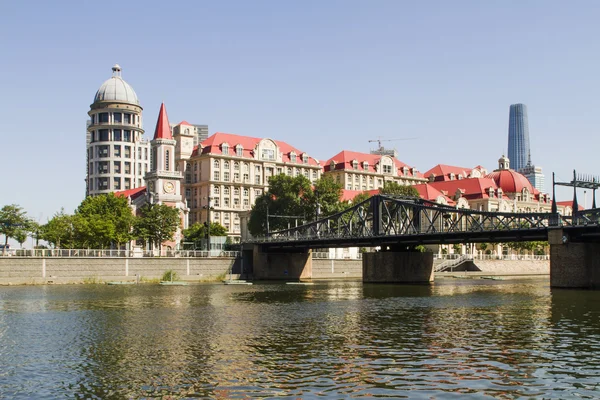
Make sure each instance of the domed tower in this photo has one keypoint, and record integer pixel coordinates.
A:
(117, 154)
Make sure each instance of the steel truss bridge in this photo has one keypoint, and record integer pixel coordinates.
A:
(397, 222)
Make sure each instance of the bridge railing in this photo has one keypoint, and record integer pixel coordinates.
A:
(388, 216)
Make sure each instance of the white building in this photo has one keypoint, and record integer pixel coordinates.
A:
(117, 154)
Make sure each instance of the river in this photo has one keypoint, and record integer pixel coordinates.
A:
(457, 337)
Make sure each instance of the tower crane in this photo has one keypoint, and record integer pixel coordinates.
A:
(379, 140)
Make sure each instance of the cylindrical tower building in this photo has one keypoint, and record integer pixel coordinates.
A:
(117, 154)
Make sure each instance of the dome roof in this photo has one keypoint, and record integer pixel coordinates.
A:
(116, 89)
(510, 181)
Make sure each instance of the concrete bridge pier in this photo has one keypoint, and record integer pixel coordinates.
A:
(573, 264)
(398, 267)
(288, 264)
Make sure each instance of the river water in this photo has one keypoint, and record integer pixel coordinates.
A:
(458, 337)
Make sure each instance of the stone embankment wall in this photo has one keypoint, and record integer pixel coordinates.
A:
(514, 267)
(15, 270)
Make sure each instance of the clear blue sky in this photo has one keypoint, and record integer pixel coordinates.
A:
(321, 75)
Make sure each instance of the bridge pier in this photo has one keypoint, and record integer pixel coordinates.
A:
(398, 267)
(573, 264)
(289, 264)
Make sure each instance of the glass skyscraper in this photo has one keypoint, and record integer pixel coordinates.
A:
(518, 136)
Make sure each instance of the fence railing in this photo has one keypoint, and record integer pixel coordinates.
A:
(324, 255)
(506, 257)
(100, 253)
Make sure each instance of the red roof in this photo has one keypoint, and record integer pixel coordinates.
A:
(163, 129)
(428, 192)
(131, 193)
(343, 161)
(471, 188)
(349, 195)
(184, 123)
(213, 145)
(569, 203)
(442, 172)
(511, 181)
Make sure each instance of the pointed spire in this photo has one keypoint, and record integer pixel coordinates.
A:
(163, 129)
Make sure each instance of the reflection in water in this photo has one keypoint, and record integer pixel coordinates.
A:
(503, 339)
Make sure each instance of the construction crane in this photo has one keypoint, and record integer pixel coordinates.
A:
(388, 140)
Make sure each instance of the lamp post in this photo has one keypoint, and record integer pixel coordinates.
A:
(208, 225)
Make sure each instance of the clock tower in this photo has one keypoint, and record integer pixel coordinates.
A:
(164, 179)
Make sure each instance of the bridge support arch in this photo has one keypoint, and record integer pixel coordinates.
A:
(573, 264)
(288, 264)
(398, 267)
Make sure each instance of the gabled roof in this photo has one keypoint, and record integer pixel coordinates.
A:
(471, 188)
(343, 160)
(428, 192)
(163, 129)
(131, 193)
(213, 145)
(184, 123)
(442, 171)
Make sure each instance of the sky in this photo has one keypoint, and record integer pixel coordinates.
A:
(324, 76)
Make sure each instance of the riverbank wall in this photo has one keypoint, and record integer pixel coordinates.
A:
(55, 270)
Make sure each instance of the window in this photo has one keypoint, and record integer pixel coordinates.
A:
(103, 135)
(117, 183)
(216, 164)
(225, 148)
(354, 164)
(117, 167)
(216, 202)
(236, 202)
(387, 169)
(103, 151)
(246, 191)
(226, 190)
(117, 150)
(246, 178)
(226, 176)
(226, 202)
(103, 118)
(246, 202)
(167, 159)
(279, 170)
(127, 118)
(236, 191)
(236, 166)
(146, 153)
(304, 158)
(226, 165)
(366, 165)
(127, 136)
(293, 157)
(289, 171)
(306, 173)
(117, 135)
(117, 117)
(216, 176)
(257, 193)
(268, 154)
(257, 179)
(93, 120)
(239, 151)
(314, 174)
(127, 167)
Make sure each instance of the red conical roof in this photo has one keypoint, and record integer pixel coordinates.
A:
(163, 129)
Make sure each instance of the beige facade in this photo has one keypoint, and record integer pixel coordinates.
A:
(231, 171)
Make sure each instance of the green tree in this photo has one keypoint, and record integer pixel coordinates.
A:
(156, 224)
(103, 221)
(59, 231)
(14, 223)
(198, 231)
(359, 198)
(324, 198)
(393, 188)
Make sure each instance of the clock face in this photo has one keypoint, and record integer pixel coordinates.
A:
(169, 187)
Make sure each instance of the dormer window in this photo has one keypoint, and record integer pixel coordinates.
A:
(354, 164)
(405, 171)
(225, 148)
(414, 172)
(332, 165)
(366, 165)
(293, 157)
(451, 176)
(387, 169)
(239, 150)
(491, 192)
(304, 158)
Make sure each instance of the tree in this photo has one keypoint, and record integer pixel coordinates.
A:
(359, 198)
(103, 221)
(198, 231)
(59, 231)
(393, 188)
(157, 223)
(14, 223)
(290, 199)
